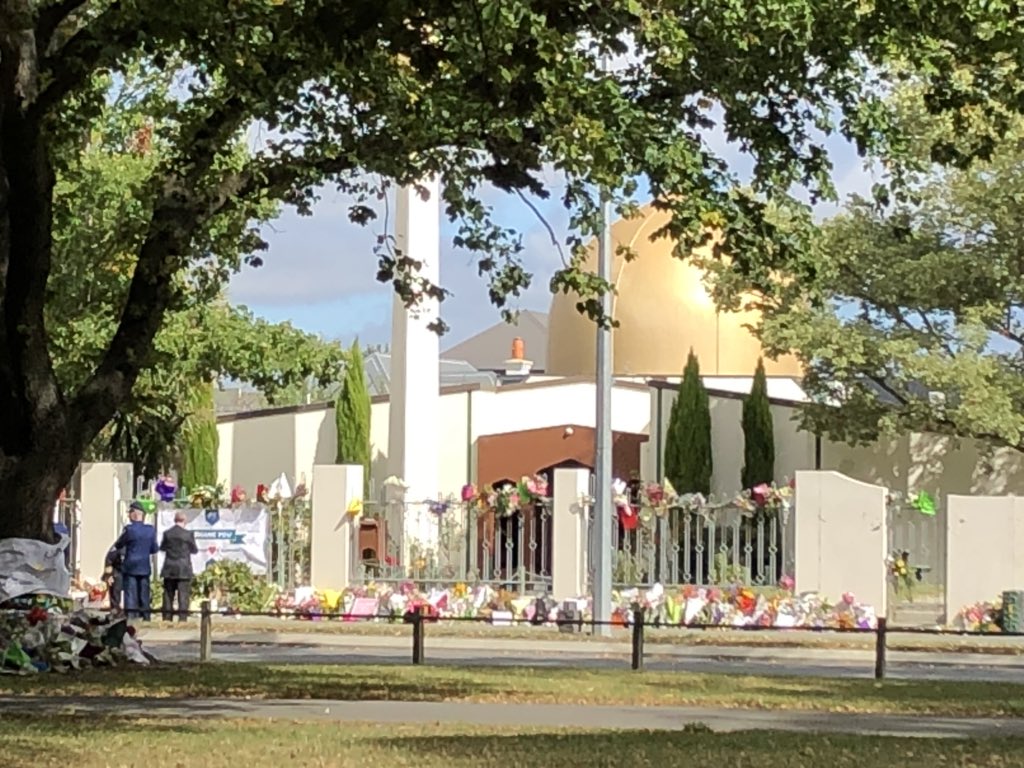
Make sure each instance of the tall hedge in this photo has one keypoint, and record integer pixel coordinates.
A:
(758, 433)
(352, 415)
(200, 442)
(688, 460)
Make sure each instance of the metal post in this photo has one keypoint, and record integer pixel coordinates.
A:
(638, 638)
(205, 632)
(880, 650)
(602, 585)
(417, 638)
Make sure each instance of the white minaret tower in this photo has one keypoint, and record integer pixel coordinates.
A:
(413, 429)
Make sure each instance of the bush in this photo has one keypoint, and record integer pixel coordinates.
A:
(234, 586)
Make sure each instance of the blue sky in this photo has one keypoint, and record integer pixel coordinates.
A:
(320, 272)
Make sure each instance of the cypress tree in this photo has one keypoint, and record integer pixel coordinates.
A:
(200, 442)
(352, 415)
(688, 460)
(758, 433)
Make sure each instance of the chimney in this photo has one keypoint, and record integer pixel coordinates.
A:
(518, 365)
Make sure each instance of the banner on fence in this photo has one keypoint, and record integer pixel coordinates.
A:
(230, 533)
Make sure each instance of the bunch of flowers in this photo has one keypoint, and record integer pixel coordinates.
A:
(981, 617)
(900, 572)
(208, 497)
(743, 606)
(42, 640)
(765, 498)
(509, 498)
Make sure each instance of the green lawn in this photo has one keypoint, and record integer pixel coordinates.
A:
(59, 742)
(520, 684)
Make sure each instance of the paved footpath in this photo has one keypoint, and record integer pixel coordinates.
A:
(522, 715)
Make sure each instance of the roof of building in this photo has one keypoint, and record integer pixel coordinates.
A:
(453, 373)
(489, 349)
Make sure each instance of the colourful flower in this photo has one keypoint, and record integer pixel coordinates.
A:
(468, 492)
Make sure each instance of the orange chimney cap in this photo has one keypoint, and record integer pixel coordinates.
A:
(518, 349)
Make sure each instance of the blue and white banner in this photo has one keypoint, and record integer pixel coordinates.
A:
(230, 533)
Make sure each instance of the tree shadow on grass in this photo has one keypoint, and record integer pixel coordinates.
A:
(29, 740)
(867, 696)
(198, 681)
(646, 748)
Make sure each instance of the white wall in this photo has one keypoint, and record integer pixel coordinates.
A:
(520, 408)
(257, 448)
(794, 449)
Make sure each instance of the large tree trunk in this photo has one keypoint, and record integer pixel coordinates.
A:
(29, 486)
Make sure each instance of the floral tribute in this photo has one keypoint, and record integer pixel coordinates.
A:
(643, 502)
(682, 606)
(981, 617)
(509, 498)
(45, 638)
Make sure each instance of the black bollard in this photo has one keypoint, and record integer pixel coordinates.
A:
(638, 638)
(417, 638)
(880, 650)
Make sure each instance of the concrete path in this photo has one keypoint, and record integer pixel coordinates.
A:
(522, 715)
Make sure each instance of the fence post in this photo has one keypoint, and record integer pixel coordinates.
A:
(880, 649)
(417, 638)
(638, 638)
(205, 632)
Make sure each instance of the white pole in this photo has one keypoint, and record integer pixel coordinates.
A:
(602, 587)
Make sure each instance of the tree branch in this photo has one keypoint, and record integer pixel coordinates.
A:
(186, 202)
(106, 37)
(50, 19)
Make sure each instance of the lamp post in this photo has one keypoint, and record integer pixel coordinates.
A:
(602, 580)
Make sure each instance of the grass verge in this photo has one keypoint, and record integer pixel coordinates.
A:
(527, 685)
(102, 742)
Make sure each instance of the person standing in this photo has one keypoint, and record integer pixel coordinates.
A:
(178, 546)
(112, 576)
(138, 541)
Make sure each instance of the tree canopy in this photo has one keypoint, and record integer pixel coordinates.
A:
(97, 210)
(363, 95)
(910, 316)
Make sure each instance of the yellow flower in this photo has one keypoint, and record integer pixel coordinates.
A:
(460, 590)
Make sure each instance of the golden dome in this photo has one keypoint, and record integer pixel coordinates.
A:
(663, 309)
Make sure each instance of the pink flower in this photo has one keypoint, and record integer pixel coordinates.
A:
(760, 494)
(787, 583)
(655, 493)
(537, 486)
(468, 492)
(848, 598)
(513, 499)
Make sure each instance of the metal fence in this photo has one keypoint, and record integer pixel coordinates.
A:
(289, 543)
(441, 543)
(725, 546)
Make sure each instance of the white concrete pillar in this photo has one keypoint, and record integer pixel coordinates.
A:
(415, 374)
(334, 534)
(841, 538)
(106, 491)
(569, 534)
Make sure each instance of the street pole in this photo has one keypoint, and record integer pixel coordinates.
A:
(602, 587)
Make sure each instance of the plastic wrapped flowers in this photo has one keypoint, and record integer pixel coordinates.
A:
(683, 606)
(42, 640)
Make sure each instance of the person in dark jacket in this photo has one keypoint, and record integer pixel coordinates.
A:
(178, 546)
(138, 540)
(113, 577)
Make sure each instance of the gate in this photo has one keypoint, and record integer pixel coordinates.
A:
(726, 545)
(920, 540)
